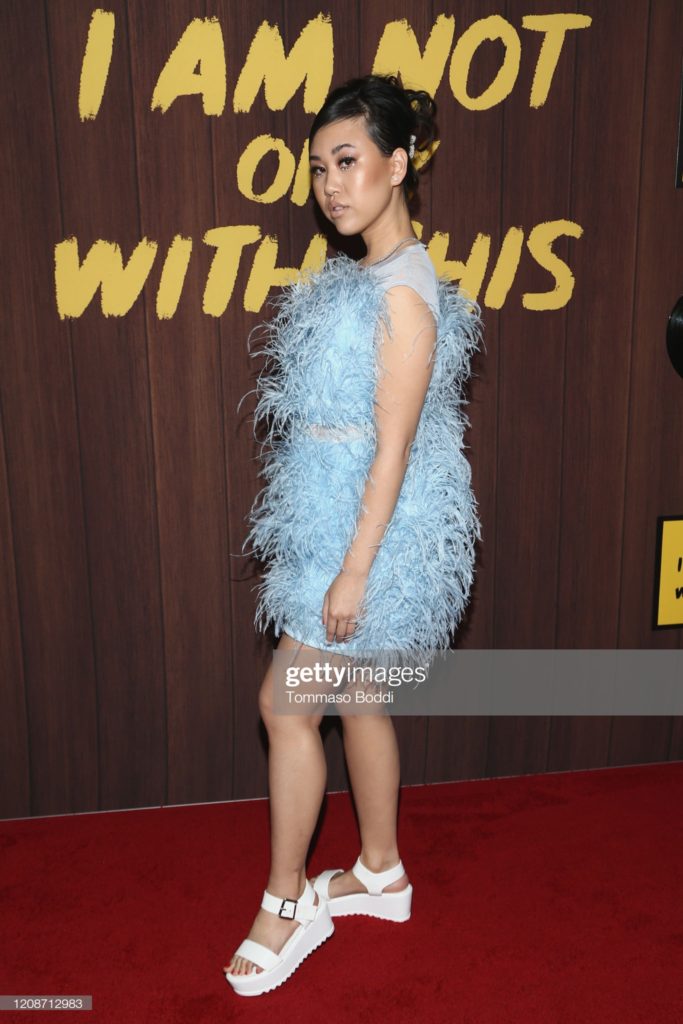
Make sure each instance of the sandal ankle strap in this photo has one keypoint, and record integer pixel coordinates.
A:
(302, 909)
(375, 881)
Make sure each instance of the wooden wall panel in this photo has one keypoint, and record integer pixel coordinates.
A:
(535, 187)
(176, 187)
(608, 112)
(111, 384)
(654, 468)
(129, 660)
(250, 652)
(465, 184)
(15, 782)
(605, 160)
(41, 453)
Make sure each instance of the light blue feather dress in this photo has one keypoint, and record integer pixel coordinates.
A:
(315, 398)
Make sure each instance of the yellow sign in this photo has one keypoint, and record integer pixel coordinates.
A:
(669, 573)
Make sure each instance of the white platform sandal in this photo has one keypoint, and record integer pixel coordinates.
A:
(316, 926)
(391, 906)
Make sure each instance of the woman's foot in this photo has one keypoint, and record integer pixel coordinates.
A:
(346, 884)
(270, 930)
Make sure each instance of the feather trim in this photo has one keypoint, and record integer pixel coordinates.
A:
(321, 367)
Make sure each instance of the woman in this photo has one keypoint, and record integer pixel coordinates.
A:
(367, 521)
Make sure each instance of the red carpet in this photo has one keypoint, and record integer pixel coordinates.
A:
(552, 899)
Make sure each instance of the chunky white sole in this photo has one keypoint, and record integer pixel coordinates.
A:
(390, 906)
(292, 955)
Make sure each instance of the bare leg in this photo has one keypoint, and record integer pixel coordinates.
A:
(372, 758)
(297, 774)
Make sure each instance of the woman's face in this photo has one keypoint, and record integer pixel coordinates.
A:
(353, 182)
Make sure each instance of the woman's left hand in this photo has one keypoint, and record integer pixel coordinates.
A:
(342, 605)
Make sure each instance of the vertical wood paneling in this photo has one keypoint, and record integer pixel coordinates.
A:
(41, 437)
(535, 188)
(130, 664)
(654, 471)
(250, 651)
(176, 186)
(111, 381)
(15, 783)
(611, 67)
(465, 183)
(605, 176)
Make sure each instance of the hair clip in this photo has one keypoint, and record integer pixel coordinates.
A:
(411, 151)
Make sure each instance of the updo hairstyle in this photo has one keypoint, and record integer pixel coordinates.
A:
(392, 115)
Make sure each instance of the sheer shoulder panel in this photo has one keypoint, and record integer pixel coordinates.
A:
(413, 268)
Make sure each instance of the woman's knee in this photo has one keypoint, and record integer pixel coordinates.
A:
(277, 719)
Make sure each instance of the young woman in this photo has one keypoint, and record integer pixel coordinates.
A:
(367, 522)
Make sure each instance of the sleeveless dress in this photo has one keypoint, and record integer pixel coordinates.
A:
(315, 398)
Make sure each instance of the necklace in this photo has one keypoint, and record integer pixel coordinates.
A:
(383, 258)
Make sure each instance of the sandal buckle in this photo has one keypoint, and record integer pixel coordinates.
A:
(283, 911)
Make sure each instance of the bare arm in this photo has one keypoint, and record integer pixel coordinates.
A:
(399, 399)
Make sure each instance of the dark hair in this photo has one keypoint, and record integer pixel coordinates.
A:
(392, 114)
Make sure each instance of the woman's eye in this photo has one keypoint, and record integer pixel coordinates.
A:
(345, 161)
